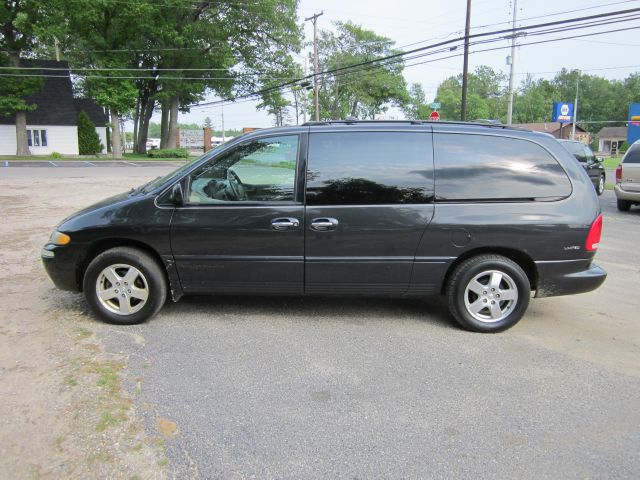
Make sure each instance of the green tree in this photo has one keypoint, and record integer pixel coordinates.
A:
(88, 139)
(207, 123)
(417, 107)
(21, 21)
(364, 92)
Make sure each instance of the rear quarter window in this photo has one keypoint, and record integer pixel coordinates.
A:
(632, 156)
(494, 168)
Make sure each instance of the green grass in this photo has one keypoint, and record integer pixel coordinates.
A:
(138, 157)
(612, 162)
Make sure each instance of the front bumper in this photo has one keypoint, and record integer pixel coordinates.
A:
(568, 277)
(626, 194)
(61, 264)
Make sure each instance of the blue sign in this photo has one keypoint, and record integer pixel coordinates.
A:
(633, 130)
(562, 112)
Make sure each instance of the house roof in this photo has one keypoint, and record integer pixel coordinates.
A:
(56, 105)
(546, 127)
(95, 112)
(613, 132)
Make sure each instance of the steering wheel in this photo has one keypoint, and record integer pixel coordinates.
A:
(236, 186)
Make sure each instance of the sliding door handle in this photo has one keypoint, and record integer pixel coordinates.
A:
(324, 224)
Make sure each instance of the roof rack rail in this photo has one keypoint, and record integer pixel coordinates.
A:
(479, 122)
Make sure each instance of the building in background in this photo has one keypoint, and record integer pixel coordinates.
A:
(610, 139)
(558, 130)
(53, 126)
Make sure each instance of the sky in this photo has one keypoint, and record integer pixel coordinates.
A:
(612, 55)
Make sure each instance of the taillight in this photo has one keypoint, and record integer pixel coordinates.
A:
(619, 173)
(595, 233)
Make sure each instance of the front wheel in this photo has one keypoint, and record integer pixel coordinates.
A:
(125, 286)
(488, 293)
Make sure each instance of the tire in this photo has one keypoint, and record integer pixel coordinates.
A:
(511, 297)
(623, 205)
(127, 274)
(600, 186)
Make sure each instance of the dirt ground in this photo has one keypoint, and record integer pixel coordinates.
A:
(63, 411)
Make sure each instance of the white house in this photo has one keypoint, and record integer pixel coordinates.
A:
(610, 139)
(53, 125)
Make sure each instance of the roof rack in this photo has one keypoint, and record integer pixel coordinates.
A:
(476, 123)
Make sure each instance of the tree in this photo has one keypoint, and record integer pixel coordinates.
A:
(21, 21)
(88, 139)
(485, 100)
(207, 123)
(416, 107)
(364, 92)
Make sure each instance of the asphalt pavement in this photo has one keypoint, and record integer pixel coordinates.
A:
(377, 388)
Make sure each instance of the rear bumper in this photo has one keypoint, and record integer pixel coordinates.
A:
(626, 194)
(568, 277)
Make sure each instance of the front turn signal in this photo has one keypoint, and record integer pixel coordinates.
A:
(59, 238)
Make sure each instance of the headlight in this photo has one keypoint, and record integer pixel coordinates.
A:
(59, 238)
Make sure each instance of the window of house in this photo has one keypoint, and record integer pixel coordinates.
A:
(370, 168)
(37, 138)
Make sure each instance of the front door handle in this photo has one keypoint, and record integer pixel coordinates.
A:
(284, 223)
(324, 224)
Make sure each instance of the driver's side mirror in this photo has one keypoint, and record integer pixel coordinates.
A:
(175, 196)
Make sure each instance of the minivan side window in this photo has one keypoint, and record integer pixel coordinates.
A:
(258, 170)
(368, 168)
(494, 168)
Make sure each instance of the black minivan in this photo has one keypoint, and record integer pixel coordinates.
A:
(482, 213)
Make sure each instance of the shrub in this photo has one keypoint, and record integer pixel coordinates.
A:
(88, 139)
(168, 153)
(623, 148)
(56, 155)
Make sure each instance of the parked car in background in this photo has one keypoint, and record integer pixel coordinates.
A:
(592, 164)
(628, 179)
(483, 214)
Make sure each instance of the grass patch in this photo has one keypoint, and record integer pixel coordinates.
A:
(164, 462)
(608, 186)
(611, 162)
(82, 333)
(107, 419)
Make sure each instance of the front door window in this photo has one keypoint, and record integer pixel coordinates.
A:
(259, 170)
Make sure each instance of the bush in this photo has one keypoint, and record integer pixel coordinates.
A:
(88, 139)
(56, 155)
(623, 148)
(168, 153)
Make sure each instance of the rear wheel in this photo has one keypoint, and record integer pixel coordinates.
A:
(600, 187)
(124, 285)
(488, 293)
(623, 205)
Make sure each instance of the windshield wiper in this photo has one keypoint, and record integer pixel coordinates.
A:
(135, 191)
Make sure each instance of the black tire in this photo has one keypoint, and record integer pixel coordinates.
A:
(147, 275)
(623, 205)
(600, 186)
(481, 267)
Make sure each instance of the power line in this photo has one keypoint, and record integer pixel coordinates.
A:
(443, 43)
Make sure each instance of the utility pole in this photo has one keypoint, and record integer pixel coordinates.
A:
(575, 109)
(465, 68)
(314, 19)
(512, 62)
